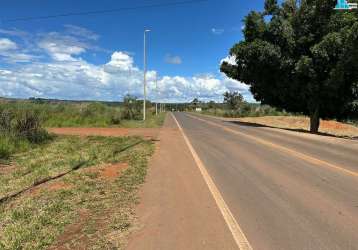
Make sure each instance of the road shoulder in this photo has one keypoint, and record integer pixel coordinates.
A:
(177, 210)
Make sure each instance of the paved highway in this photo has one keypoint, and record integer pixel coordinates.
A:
(287, 190)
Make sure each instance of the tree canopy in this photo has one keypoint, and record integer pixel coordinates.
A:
(302, 57)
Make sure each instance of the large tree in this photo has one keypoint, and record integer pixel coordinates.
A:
(301, 56)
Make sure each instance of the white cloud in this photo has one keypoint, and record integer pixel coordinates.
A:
(120, 61)
(68, 76)
(6, 44)
(229, 59)
(82, 80)
(217, 31)
(173, 59)
(81, 32)
(10, 52)
(62, 47)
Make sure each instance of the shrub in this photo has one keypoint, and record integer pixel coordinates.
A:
(116, 118)
(94, 109)
(131, 108)
(18, 129)
(28, 125)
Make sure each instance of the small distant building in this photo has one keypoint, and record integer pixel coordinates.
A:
(198, 109)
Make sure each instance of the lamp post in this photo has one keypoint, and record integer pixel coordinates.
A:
(145, 74)
(156, 94)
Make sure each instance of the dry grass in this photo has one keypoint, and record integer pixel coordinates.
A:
(302, 123)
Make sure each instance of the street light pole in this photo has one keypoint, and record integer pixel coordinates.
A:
(156, 94)
(145, 75)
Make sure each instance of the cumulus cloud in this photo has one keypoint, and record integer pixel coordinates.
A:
(120, 61)
(68, 76)
(173, 59)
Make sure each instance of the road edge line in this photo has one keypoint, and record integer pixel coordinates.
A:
(230, 220)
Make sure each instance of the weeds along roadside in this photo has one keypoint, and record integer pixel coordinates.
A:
(18, 130)
(35, 216)
(38, 218)
(87, 114)
(22, 122)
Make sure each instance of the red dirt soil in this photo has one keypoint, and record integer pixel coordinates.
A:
(149, 133)
(73, 236)
(334, 125)
(111, 172)
(73, 231)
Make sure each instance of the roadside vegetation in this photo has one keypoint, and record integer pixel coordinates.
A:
(86, 114)
(23, 122)
(69, 192)
(19, 131)
(72, 192)
(234, 106)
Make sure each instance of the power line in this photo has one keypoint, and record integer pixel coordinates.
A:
(96, 12)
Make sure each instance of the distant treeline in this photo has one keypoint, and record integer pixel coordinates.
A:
(245, 109)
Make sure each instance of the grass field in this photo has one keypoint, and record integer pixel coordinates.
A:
(89, 202)
(86, 114)
(23, 122)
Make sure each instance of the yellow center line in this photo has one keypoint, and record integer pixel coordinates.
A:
(297, 154)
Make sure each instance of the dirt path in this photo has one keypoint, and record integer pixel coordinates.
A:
(149, 133)
(177, 210)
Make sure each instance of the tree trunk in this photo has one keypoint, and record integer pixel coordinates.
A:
(314, 121)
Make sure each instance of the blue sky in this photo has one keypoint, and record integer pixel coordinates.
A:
(101, 56)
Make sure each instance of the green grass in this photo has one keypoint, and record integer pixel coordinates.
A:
(35, 220)
(152, 121)
(89, 114)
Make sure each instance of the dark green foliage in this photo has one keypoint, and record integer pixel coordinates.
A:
(271, 7)
(195, 102)
(301, 58)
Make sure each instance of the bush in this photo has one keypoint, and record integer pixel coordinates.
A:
(18, 130)
(94, 109)
(28, 126)
(116, 118)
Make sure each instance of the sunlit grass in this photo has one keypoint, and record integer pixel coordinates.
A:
(34, 220)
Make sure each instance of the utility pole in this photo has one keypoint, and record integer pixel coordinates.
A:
(156, 94)
(145, 74)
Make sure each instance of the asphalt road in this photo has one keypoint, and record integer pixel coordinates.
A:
(287, 190)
